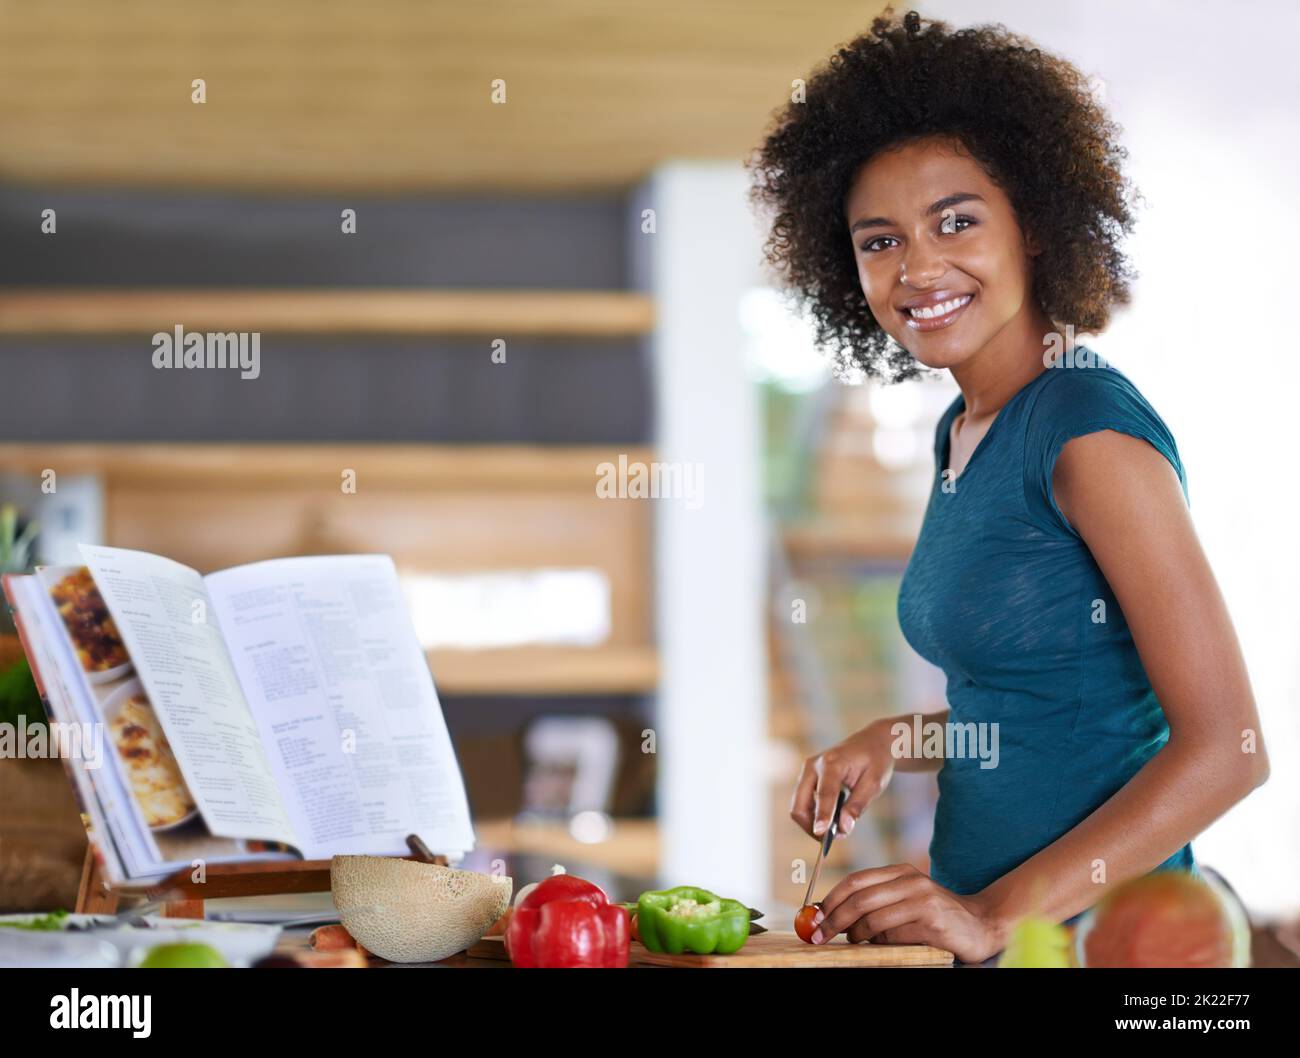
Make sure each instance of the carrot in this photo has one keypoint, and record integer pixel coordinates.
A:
(331, 938)
(349, 959)
(498, 927)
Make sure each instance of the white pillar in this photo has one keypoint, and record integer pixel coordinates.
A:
(711, 720)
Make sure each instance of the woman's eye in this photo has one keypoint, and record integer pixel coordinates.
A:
(950, 225)
(873, 245)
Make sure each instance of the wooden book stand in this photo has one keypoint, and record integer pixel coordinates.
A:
(182, 897)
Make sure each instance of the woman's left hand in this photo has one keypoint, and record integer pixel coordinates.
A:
(900, 905)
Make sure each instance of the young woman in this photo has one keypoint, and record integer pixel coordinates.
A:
(955, 201)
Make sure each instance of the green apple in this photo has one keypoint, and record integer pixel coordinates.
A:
(188, 956)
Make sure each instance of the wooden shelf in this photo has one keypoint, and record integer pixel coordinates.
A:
(534, 468)
(497, 313)
(494, 507)
(546, 670)
(631, 849)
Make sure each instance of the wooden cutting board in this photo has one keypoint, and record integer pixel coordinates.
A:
(774, 949)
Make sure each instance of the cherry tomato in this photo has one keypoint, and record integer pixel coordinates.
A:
(636, 933)
(803, 922)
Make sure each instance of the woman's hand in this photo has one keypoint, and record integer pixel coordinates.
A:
(900, 905)
(862, 762)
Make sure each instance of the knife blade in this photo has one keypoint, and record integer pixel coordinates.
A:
(827, 838)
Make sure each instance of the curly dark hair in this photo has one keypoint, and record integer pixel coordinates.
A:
(1028, 117)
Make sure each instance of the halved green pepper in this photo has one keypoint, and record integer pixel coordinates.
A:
(690, 919)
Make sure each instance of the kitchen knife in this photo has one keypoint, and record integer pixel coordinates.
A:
(827, 838)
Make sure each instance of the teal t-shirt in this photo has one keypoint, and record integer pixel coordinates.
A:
(1005, 597)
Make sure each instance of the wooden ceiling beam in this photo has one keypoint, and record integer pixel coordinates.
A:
(329, 94)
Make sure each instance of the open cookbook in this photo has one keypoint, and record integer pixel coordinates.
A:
(282, 709)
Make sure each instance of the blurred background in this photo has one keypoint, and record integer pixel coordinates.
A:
(490, 247)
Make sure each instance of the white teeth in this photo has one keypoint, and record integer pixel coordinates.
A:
(939, 310)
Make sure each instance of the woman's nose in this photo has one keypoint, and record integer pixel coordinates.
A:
(921, 268)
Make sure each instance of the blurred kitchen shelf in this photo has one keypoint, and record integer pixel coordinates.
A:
(433, 508)
(471, 468)
(546, 670)
(632, 847)
(498, 313)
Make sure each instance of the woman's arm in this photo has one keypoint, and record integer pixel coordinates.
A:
(864, 762)
(884, 729)
(1123, 497)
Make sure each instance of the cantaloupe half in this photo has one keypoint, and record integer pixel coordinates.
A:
(406, 911)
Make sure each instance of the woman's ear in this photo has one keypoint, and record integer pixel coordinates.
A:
(1032, 245)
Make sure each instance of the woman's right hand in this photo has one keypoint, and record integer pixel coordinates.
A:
(862, 762)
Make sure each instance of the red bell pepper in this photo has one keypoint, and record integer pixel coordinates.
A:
(568, 922)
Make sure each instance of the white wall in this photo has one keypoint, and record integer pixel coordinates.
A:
(711, 721)
(1208, 95)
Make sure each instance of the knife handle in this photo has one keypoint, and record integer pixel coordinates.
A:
(834, 828)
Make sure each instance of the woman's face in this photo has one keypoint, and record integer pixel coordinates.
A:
(932, 232)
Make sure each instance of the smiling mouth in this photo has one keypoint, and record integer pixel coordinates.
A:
(934, 317)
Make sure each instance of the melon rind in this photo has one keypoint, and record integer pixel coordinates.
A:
(406, 911)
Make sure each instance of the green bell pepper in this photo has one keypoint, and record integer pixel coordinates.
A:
(690, 919)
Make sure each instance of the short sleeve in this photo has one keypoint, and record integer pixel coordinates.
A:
(1079, 401)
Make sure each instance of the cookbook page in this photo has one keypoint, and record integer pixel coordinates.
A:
(340, 688)
(151, 815)
(101, 797)
(161, 611)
